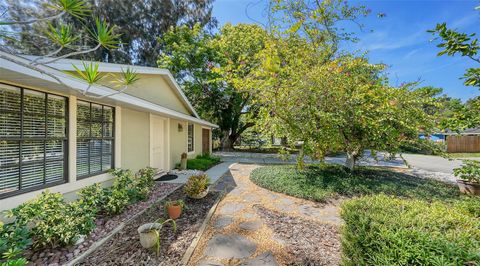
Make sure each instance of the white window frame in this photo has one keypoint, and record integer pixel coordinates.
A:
(193, 138)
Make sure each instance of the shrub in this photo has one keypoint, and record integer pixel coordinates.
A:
(53, 222)
(383, 230)
(469, 171)
(423, 146)
(13, 241)
(196, 184)
(14, 262)
(93, 197)
(202, 162)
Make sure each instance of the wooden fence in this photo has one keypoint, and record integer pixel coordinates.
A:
(463, 143)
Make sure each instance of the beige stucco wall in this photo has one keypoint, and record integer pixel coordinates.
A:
(153, 88)
(178, 141)
(135, 149)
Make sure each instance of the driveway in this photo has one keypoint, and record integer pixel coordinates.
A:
(432, 163)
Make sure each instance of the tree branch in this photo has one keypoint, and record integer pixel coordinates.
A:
(69, 55)
(31, 21)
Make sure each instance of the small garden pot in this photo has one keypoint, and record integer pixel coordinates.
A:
(468, 187)
(174, 211)
(149, 234)
(201, 195)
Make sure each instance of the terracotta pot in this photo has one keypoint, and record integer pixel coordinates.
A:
(148, 236)
(467, 187)
(174, 211)
(201, 195)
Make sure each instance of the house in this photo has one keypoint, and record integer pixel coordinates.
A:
(51, 136)
(467, 140)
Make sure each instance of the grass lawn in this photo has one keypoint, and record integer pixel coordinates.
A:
(202, 162)
(392, 218)
(464, 155)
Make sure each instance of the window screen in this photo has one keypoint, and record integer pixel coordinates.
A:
(190, 138)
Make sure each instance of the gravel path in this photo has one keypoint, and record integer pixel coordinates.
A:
(255, 226)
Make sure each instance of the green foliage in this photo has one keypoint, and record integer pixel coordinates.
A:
(53, 222)
(202, 162)
(212, 69)
(89, 73)
(105, 35)
(76, 8)
(423, 146)
(383, 230)
(454, 42)
(324, 181)
(14, 262)
(196, 184)
(469, 171)
(126, 189)
(170, 203)
(14, 240)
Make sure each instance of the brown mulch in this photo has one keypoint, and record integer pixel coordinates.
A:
(309, 243)
(104, 225)
(124, 247)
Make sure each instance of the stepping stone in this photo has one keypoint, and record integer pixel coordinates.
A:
(249, 215)
(264, 259)
(209, 263)
(251, 198)
(236, 192)
(251, 225)
(223, 221)
(231, 208)
(310, 211)
(285, 208)
(229, 246)
(286, 201)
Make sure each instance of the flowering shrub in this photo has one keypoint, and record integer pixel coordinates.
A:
(196, 184)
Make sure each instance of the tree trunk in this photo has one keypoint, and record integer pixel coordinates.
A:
(228, 141)
(350, 162)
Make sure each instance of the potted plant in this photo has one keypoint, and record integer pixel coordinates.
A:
(468, 177)
(174, 208)
(183, 161)
(150, 234)
(197, 186)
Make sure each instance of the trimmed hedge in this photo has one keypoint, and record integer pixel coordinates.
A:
(323, 181)
(384, 230)
(202, 162)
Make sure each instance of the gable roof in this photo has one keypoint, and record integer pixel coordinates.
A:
(68, 65)
(17, 69)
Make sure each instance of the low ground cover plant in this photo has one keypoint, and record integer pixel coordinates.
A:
(385, 230)
(202, 162)
(323, 181)
(14, 240)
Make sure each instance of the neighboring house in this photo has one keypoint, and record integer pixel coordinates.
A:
(51, 136)
(467, 140)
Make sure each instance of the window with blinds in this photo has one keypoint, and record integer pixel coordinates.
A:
(95, 138)
(190, 138)
(33, 140)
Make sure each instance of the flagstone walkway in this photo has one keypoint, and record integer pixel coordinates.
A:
(240, 234)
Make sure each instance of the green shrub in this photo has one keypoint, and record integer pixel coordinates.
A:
(53, 222)
(196, 184)
(469, 171)
(127, 188)
(383, 230)
(323, 181)
(14, 240)
(202, 162)
(14, 262)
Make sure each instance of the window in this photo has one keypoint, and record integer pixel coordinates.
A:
(95, 138)
(190, 138)
(33, 140)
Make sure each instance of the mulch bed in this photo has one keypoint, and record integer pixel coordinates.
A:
(307, 242)
(104, 225)
(124, 247)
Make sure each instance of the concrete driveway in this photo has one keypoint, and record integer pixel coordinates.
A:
(433, 163)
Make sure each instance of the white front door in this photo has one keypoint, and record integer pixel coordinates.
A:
(157, 142)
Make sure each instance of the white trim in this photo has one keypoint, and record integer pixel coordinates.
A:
(99, 90)
(72, 139)
(68, 65)
(118, 137)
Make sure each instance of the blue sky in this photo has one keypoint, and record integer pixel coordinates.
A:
(399, 40)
